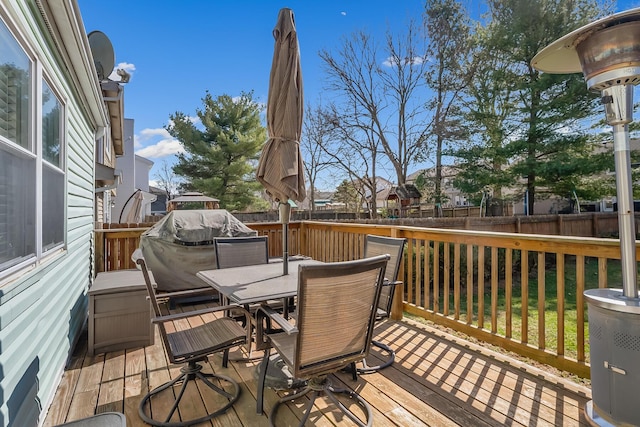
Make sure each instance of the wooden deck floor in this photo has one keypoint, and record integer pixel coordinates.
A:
(437, 380)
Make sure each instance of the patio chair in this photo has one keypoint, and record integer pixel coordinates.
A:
(336, 313)
(191, 346)
(104, 419)
(377, 245)
(241, 251)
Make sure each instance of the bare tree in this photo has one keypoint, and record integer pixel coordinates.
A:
(354, 148)
(167, 180)
(316, 161)
(378, 100)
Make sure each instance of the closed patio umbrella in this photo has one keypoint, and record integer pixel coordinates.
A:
(280, 168)
(133, 216)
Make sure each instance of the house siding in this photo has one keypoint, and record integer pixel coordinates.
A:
(43, 307)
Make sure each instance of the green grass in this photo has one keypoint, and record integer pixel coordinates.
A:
(550, 306)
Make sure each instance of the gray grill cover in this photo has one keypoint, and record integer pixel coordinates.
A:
(181, 244)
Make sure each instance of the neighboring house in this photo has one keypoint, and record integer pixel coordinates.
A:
(159, 206)
(109, 145)
(322, 200)
(53, 114)
(383, 187)
(452, 195)
(134, 176)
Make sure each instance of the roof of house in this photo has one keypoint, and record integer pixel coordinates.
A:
(405, 191)
(194, 196)
(447, 170)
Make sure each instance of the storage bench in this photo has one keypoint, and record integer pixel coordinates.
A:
(119, 312)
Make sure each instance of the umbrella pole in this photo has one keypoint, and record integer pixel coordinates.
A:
(285, 212)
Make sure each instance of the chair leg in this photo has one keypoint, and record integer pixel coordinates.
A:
(225, 358)
(354, 371)
(294, 396)
(331, 392)
(261, 378)
(188, 373)
(366, 369)
(316, 387)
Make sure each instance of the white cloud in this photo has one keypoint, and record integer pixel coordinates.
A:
(343, 13)
(393, 62)
(129, 68)
(163, 148)
(149, 134)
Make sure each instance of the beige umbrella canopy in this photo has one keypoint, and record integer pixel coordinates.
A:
(135, 213)
(280, 168)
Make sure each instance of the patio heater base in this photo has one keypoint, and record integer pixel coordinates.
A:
(593, 418)
(614, 336)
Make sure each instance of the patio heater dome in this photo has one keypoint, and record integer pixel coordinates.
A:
(607, 52)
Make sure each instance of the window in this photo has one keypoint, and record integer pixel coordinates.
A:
(52, 170)
(28, 150)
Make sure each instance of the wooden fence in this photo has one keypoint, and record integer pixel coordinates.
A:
(115, 244)
(590, 224)
(521, 292)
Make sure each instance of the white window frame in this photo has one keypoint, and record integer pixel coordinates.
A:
(35, 150)
(62, 167)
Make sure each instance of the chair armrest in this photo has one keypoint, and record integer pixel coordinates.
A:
(387, 282)
(193, 313)
(267, 313)
(277, 317)
(186, 293)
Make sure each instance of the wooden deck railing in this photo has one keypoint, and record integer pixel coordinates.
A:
(521, 292)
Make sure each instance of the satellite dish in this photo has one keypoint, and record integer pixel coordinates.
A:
(102, 52)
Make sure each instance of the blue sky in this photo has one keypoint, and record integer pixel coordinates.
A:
(177, 50)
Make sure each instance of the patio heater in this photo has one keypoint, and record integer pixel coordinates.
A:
(607, 52)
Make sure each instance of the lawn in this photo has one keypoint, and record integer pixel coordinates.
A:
(550, 298)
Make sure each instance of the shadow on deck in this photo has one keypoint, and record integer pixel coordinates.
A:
(437, 380)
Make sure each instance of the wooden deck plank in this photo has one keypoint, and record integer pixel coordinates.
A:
(133, 393)
(411, 396)
(111, 395)
(64, 394)
(542, 397)
(437, 380)
(387, 410)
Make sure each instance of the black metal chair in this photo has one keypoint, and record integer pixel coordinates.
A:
(335, 316)
(191, 346)
(377, 245)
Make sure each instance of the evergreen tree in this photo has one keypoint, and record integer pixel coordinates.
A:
(219, 157)
(449, 44)
(482, 165)
(551, 150)
(347, 193)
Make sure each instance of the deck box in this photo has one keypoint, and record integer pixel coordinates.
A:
(119, 312)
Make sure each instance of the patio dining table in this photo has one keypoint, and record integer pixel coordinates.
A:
(260, 283)
(255, 283)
